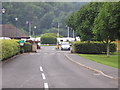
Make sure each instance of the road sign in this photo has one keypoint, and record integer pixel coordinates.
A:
(21, 41)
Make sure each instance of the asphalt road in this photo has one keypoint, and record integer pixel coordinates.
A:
(49, 68)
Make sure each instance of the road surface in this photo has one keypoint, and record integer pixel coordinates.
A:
(49, 68)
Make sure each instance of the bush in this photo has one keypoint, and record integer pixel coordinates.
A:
(91, 48)
(112, 47)
(26, 48)
(48, 40)
(9, 48)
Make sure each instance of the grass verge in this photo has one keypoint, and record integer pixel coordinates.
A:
(102, 59)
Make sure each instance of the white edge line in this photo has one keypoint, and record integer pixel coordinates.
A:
(46, 85)
(43, 76)
(41, 69)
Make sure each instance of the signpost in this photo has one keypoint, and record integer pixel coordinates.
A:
(21, 45)
(21, 42)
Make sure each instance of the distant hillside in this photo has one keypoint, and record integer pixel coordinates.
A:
(44, 15)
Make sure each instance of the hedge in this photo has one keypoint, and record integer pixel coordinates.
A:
(48, 40)
(26, 48)
(91, 48)
(9, 48)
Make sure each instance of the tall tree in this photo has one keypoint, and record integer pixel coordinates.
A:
(107, 23)
(82, 21)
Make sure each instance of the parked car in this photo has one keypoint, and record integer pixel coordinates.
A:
(65, 46)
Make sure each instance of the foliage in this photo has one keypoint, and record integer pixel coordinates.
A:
(107, 23)
(27, 47)
(55, 30)
(82, 21)
(49, 34)
(90, 48)
(43, 15)
(98, 21)
(49, 38)
(9, 48)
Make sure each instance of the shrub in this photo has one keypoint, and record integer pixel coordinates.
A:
(9, 48)
(26, 48)
(112, 47)
(91, 48)
(48, 40)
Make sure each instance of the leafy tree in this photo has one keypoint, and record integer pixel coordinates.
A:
(82, 21)
(71, 20)
(107, 23)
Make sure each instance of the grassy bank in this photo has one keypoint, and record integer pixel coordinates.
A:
(102, 59)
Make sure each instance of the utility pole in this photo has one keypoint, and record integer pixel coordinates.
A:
(3, 12)
(16, 19)
(73, 34)
(58, 30)
(29, 25)
(29, 28)
(34, 31)
(68, 31)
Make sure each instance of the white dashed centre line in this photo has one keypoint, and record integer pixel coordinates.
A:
(45, 85)
(41, 69)
(43, 76)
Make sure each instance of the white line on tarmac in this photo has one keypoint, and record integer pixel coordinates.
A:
(46, 85)
(41, 69)
(43, 76)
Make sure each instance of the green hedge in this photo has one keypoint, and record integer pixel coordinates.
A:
(26, 48)
(9, 48)
(91, 48)
(48, 40)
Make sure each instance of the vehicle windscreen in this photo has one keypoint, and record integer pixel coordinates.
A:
(65, 44)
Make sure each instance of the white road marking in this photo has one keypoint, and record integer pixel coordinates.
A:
(41, 69)
(43, 76)
(45, 85)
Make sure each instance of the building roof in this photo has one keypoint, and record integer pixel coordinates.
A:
(11, 31)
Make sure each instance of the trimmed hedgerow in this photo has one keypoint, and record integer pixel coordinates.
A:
(48, 40)
(92, 48)
(26, 48)
(9, 48)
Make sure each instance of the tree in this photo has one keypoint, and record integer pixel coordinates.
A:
(43, 15)
(107, 23)
(82, 21)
